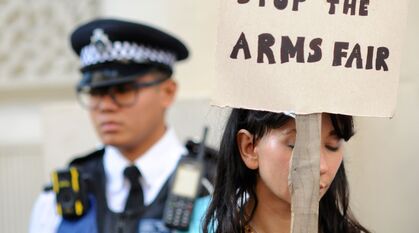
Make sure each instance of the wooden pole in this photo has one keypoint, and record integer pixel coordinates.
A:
(304, 176)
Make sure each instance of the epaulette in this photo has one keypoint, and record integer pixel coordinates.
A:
(78, 162)
(87, 158)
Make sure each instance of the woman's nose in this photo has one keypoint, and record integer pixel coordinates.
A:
(323, 163)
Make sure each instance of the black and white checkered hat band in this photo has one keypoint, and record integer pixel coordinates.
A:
(124, 51)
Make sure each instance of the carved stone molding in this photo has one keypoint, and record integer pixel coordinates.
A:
(34, 43)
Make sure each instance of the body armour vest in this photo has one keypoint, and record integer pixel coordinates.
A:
(99, 218)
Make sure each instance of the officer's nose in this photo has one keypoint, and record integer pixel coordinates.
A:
(107, 103)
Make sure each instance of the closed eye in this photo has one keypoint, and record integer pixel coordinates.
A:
(332, 148)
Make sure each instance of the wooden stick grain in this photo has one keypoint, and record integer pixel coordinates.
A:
(304, 176)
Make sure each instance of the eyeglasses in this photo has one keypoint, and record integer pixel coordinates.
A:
(123, 95)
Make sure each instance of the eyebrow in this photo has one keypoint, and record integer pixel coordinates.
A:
(289, 131)
(293, 130)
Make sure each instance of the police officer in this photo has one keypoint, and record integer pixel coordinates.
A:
(127, 88)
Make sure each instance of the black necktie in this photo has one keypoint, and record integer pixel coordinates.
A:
(135, 200)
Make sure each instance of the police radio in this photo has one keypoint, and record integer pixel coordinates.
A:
(71, 193)
(184, 189)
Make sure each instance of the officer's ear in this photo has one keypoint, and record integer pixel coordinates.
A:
(167, 92)
(248, 149)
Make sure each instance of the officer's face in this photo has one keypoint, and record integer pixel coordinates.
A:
(135, 128)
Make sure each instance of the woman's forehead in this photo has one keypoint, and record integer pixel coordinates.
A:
(288, 128)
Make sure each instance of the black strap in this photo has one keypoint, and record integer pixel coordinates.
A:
(135, 200)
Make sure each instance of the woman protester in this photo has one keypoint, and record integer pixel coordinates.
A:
(251, 192)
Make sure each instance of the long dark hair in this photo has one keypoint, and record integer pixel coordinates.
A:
(235, 183)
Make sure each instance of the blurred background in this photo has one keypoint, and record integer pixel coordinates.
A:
(42, 126)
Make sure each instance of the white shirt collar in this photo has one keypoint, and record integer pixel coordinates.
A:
(156, 165)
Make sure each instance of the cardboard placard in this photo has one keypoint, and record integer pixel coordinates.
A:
(310, 56)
